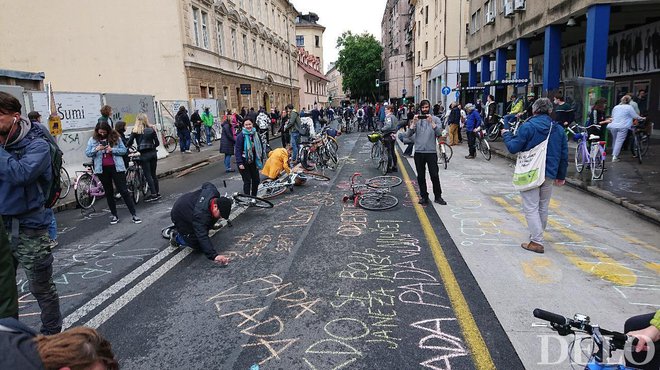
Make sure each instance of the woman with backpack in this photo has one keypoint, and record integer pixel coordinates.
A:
(146, 138)
(106, 149)
(228, 139)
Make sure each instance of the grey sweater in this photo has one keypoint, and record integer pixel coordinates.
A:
(425, 136)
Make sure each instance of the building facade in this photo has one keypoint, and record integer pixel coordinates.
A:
(335, 86)
(397, 40)
(309, 35)
(314, 83)
(557, 44)
(192, 49)
(440, 52)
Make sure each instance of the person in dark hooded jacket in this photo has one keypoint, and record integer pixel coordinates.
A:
(227, 142)
(194, 214)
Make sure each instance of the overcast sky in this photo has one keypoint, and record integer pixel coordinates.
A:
(338, 16)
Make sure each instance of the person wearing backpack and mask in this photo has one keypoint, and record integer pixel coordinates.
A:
(26, 177)
(147, 141)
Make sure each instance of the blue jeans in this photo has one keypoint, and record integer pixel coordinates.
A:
(227, 162)
(295, 141)
(184, 140)
(52, 228)
(208, 135)
(507, 120)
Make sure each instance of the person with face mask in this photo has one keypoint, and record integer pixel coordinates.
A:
(425, 128)
(25, 164)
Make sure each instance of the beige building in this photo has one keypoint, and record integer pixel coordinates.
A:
(397, 41)
(313, 88)
(440, 53)
(309, 35)
(175, 50)
(335, 89)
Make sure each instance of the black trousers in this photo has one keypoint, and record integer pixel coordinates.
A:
(431, 160)
(389, 145)
(109, 176)
(472, 142)
(9, 295)
(250, 177)
(460, 135)
(638, 323)
(148, 162)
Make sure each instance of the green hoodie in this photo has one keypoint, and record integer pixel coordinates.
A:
(207, 118)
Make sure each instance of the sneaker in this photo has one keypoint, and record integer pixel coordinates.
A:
(188, 151)
(157, 197)
(469, 157)
(136, 220)
(209, 144)
(149, 198)
(173, 242)
(54, 243)
(440, 201)
(114, 220)
(117, 196)
(423, 201)
(615, 159)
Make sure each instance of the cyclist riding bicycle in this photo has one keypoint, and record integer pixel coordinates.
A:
(193, 215)
(516, 107)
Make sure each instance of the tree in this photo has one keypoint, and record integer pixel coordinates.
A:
(359, 64)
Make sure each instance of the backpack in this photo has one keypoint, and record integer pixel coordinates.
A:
(52, 190)
(262, 121)
(178, 123)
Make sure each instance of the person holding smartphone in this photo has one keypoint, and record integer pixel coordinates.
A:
(425, 128)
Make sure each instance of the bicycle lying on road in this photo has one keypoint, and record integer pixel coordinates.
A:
(271, 188)
(581, 323)
(373, 194)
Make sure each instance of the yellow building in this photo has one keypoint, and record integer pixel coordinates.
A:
(175, 50)
(309, 35)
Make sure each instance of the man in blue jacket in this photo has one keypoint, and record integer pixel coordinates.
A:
(472, 123)
(25, 170)
(532, 133)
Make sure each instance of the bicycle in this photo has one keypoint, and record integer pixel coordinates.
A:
(640, 140)
(445, 152)
(581, 323)
(271, 188)
(373, 194)
(594, 157)
(65, 182)
(169, 141)
(135, 180)
(321, 151)
(87, 187)
(380, 156)
(237, 200)
(482, 145)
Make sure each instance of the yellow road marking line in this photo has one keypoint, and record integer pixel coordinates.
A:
(633, 240)
(540, 269)
(479, 350)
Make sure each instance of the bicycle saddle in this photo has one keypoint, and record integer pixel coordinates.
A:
(594, 137)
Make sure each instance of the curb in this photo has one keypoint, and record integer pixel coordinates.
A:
(71, 204)
(649, 213)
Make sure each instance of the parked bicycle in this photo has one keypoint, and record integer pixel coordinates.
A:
(65, 182)
(380, 155)
(444, 151)
(482, 145)
(640, 140)
(590, 151)
(271, 188)
(87, 187)
(373, 194)
(319, 153)
(136, 182)
(603, 348)
(168, 140)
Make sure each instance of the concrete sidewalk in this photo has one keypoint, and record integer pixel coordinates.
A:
(626, 183)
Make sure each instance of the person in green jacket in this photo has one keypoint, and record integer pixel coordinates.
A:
(207, 119)
(9, 297)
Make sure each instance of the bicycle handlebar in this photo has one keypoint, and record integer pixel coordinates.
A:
(564, 324)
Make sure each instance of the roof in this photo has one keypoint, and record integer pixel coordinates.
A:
(311, 71)
(35, 76)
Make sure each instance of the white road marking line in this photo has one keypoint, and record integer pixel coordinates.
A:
(106, 314)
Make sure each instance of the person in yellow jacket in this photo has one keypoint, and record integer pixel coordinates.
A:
(516, 107)
(278, 161)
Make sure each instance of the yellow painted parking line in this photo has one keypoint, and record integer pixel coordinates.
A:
(633, 240)
(479, 350)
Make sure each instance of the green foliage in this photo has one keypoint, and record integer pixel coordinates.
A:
(359, 63)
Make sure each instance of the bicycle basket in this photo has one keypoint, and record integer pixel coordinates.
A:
(374, 137)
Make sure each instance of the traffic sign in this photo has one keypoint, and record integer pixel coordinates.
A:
(458, 94)
(446, 90)
(246, 89)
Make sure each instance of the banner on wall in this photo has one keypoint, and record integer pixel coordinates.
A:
(203, 103)
(125, 107)
(77, 111)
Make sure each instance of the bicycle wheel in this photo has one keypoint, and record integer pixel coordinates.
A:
(133, 185)
(65, 183)
(170, 144)
(332, 143)
(579, 158)
(330, 159)
(251, 201)
(313, 176)
(644, 143)
(377, 201)
(597, 164)
(195, 143)
(484, 148)
(444, 160)
(83, 191)
(637, 149)
(493, 133)
(384, 182)
(270, 189)
(384, 161)
(449, 152)
(375, 154)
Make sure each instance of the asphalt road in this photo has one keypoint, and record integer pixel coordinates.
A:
(316, 283)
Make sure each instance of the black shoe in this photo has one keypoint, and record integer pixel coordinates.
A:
(149, 198)
(469, 157)
(394, 169)
(424, 201)
(440, 201)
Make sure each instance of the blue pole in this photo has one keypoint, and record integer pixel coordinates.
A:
(598, 29)
(522, 58)
(472, 80)
(500, 64)
(485, 74)
(551, 58)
